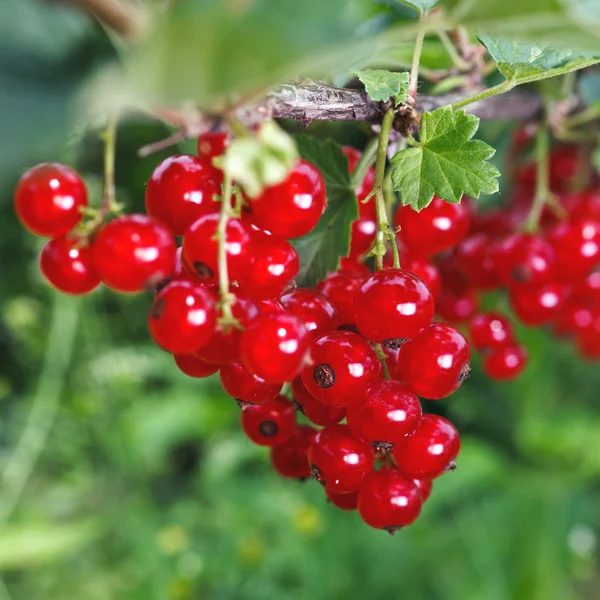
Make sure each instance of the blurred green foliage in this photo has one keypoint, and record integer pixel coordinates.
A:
(121, 478)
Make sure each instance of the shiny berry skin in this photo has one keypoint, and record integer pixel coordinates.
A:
(456, 307)
(575, 317)
(425, 486)
(200, 249)
(339, 288)
(317, 313)
(366, 185)
(538, 305)
(292, 208)
(316, 412)
(344, 366)
(68, 266)
(290, 458)
(244, 386)
(48, 199)
(182, 318)
(424, 269)
(392, 306)
(133, 253)
(344, 501)
(355, 266)
(362, 232)
(438, 227)
(505, 362)
(389, 500)
(490, 330)
(388, 412)
(430, 451)
(476, 258)
(275, 263)
(269, 424)
(434, 364)
(274, 347)
(193, 366)
(180, 190)
(271, 305)
(524, 259)
(339, 462)
(213, 143)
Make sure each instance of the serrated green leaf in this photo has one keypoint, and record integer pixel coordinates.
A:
(420, 5)
(447, 162)
(321, 249)
(381, 85)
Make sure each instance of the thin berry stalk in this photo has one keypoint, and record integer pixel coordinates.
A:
(542, 191)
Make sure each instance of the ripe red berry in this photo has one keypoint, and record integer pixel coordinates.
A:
(201, 246)
(366, 186)
(213, 143)
(339, 462)
(133, 253)
(182, 318)
(315, 311)
(476, 257)
(388, 500)
(193, 366)
(505, 362)
(362, 232)
(389, 412)
(355, 266)
(269, 424)
(181, 190)
(271, 305)
(538, 305)
(344, 366)
(392, 306)
(49, 198)
(274, 347)
(576, 316)
(438, 227)
(425, 486)
(316, 412)
(434, 364)
(244, 386)
(290, 458)
(67, 264)
(456, 307)
(490, 330)
(292, 208)
(339, 288)
(424, 269)
(430, 451)
(344, 501)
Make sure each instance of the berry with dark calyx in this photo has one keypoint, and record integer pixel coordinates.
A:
(290, 458)
(182, 318)
(438, 227)
(274, 346)
(68, 266)
(339, 288)
(344, 501)
(490, 330)
(455, 307)
(292, 208)
(49, 198)
(193, 366)
(538, 305)
(434, 364)
(201, 246)
(430, 451)
(392, 306)
(240, 384)
(133, 253)
(317, 313)
(505, 362)
(388, 412)
(269, 424)
(389, 500)
(316, 412)
(339, 462)
(212, 144)
(425, 486)
(344, 366)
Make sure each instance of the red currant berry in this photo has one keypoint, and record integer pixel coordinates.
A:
(425, 486)
(67, 264)
(575, 317)
(292, 208)
(438, 227)
(456, 307)
(430, 451)
(538, 305)
(344, 366)
(192, 366)
(212, 144)
(269, 306)
(389, 412)
(315, 311)
(339, 288)
(476, 258)
(316, 412)
(355, 266)
(388, 500)
(133, 253)
(434, 364)
(274, 347)
(182, 318)
(344, 501)
(490, 330)
(426, 270)
(269, 424)
(339, 462)
(585, 205)
(588, 345)
(290, 458)
(588, 289)
(392, 306)
(244, 386)
(201, 246)
(362, 232)
(505, 362)
(181, 190)
(366, 185)
(48, 199)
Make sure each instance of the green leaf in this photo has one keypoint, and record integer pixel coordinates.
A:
(447, 161)
(381, 85)
(321, 249)
(420, 5)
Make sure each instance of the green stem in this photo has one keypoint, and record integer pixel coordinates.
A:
(457, 59)
(580, 118)
(414, 70)
(365, 162)
(542, 191)
(495, 90)
(110, 140)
